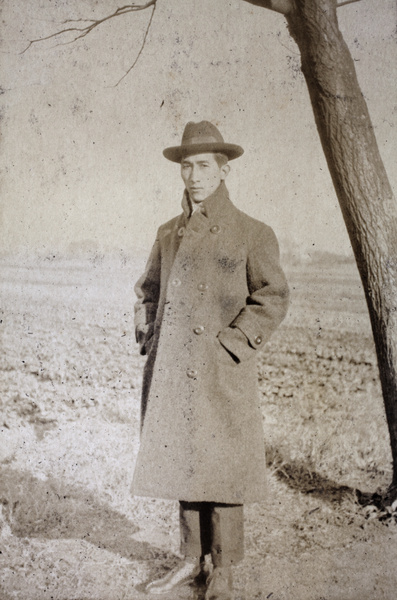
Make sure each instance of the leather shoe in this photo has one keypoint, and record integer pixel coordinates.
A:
(186, 572)
(202, 574)
(220, 584)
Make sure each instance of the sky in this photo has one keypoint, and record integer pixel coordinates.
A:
(81, 157)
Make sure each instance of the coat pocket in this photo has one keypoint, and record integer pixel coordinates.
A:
(236, 344)
(224, 355)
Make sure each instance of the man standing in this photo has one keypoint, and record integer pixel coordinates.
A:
(212, 294)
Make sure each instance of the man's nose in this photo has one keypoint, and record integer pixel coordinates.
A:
(194, 175)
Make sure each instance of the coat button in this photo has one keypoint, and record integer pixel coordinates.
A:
(258, 340)
(176, 282)
(202, 287)
(181, 231)
(192, 373)
(199, 330)
(215, 229)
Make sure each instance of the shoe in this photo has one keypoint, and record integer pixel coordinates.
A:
(203, 573)
(183, 573)
(220, 585)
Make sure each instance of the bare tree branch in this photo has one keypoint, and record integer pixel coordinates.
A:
(281, 6)
(286, 6)
(94, 23)
(346, 2)
(142, 45)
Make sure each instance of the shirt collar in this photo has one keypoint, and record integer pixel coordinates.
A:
(212, 207)
(189, 208)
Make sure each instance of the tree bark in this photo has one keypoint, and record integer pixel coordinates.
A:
(364, 193)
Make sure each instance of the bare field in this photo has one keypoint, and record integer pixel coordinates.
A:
(70, 388)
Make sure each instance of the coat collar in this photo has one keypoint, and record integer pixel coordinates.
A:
(214, 207)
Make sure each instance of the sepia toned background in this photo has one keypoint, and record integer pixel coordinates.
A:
(84, 186)
(82, 156)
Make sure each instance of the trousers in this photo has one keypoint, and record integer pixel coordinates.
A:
(212, 528)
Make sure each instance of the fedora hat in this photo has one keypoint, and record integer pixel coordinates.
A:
(201, 138)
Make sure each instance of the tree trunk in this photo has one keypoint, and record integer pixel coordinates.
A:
(365, 196)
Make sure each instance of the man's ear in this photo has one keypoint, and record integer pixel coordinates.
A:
(225, 170)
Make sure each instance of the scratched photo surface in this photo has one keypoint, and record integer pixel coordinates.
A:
(85, 187)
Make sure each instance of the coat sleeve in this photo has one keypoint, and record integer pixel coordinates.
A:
(147, 290)
(268, 298)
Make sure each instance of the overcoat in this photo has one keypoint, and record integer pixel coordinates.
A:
(212, 293)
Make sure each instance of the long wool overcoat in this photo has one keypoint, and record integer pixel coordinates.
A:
(212, 293)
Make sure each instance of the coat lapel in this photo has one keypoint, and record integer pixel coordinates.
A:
(218, 206)
(215, 211)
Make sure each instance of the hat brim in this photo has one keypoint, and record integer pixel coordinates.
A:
(176, 153)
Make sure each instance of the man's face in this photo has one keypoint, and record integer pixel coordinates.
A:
(202, 175)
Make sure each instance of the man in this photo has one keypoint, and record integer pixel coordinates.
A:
(212, 294)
